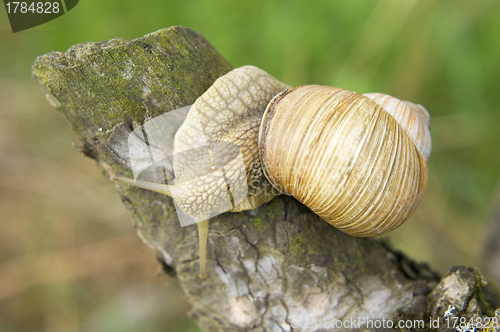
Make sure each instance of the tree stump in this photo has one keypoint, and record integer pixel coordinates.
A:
(276, 268)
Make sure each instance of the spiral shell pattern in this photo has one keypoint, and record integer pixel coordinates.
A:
(344, 156)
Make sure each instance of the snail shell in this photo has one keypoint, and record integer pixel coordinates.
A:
(345, 156)
(356, 161)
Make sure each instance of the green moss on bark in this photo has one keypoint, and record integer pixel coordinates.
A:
(100, 85)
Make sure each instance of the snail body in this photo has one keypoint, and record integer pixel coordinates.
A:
(357, 161)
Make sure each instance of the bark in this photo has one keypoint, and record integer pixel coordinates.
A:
(276, 268)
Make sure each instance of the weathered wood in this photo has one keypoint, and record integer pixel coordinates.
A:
(270, 269)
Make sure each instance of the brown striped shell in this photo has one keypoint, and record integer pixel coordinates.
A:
(346, 157)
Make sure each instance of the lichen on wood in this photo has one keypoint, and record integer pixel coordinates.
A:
(275, 268)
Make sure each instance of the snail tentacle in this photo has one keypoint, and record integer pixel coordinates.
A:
(202, 245)
(156, 187)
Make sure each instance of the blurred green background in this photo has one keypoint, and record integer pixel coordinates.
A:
(69, 256)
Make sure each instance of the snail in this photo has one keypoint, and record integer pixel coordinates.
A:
(357, 161)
